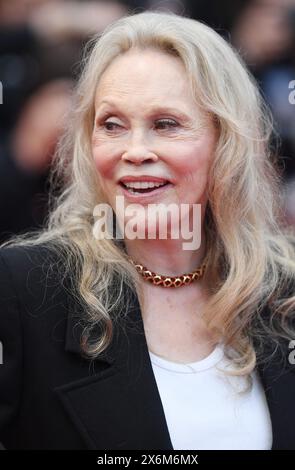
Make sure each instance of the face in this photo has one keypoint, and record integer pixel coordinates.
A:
(151, 142)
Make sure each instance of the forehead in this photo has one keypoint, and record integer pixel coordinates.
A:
(146, 74)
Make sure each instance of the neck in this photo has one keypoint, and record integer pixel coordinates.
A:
(166, 257)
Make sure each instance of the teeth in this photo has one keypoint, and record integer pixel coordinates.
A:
(143, 184)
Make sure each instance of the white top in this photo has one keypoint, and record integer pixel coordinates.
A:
(204, 410)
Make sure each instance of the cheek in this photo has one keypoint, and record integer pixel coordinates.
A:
(193, 160)
(104, 162)
(191, 164)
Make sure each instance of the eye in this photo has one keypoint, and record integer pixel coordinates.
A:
(166, 123)
(110, 125)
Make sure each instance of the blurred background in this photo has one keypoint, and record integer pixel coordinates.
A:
(41, 44)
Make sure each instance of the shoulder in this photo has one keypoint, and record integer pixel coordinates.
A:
(19, 259)
(30, 278)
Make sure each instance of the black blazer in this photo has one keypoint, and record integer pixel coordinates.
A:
(51, 397)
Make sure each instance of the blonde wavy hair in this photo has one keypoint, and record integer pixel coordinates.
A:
(251, 257)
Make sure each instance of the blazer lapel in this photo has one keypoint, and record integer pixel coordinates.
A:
(118, 406)
(277, 376)
(278, 379)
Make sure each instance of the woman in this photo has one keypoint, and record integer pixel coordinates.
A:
(105, 344)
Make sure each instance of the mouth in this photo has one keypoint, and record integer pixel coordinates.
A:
(143, 187)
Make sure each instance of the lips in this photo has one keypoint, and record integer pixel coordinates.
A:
(143, 186)
(143, 178)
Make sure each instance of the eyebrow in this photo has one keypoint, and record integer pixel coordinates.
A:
(151, 111)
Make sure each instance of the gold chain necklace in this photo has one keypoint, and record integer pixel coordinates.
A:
(169, 281)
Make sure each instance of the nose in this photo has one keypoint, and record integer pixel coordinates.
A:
(137, 151)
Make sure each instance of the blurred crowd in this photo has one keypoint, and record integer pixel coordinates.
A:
(41, 44)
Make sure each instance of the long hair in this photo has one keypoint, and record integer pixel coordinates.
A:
(251, 259)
